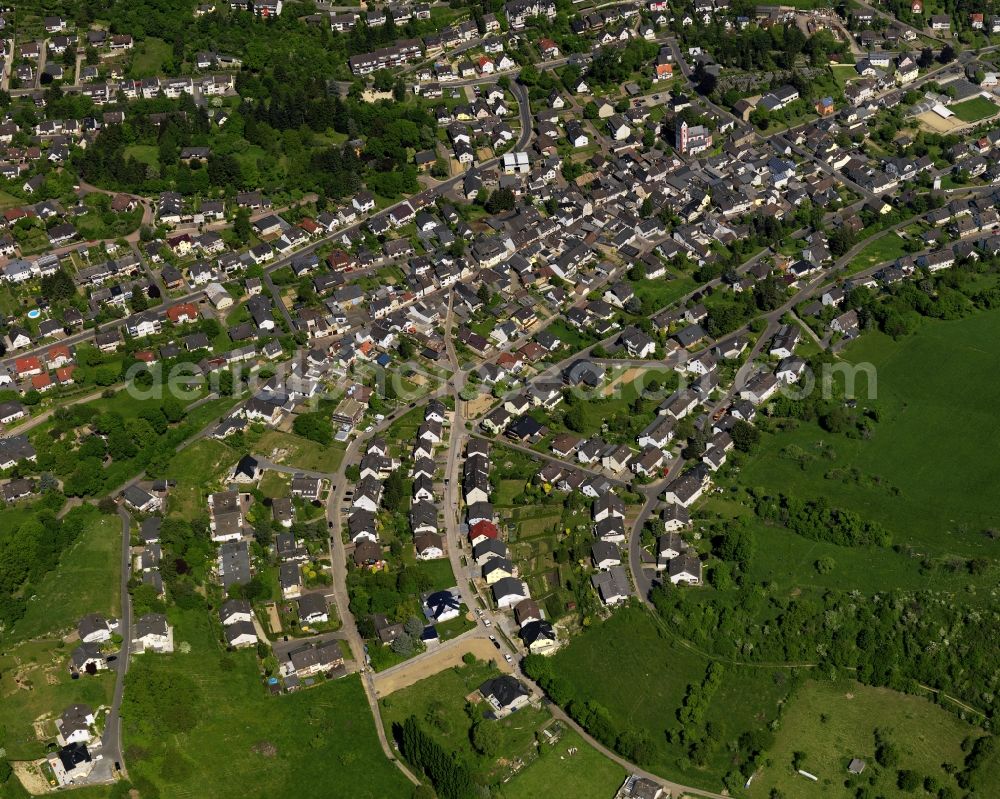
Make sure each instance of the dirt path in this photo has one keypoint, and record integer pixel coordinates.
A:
(430, 663)
(623, 379)
(273, 618)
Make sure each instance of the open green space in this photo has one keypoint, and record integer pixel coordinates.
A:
(150, 58)
(659, 293)
(301, 453)
(974, 109)
(8, 200)
(36, 688)
(85, 581)
(830, 723)
(882, 250)
(843, 73)
(928, 472)
(447, 706)
(37, 685)
(568, 769)
(230, 739)
(196, 471)
(438, 572)
(658, 672)
(619, 410)
(144, 153)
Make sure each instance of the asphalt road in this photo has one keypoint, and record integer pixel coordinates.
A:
(112, 739)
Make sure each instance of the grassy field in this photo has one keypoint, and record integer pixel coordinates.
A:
(151, 56)
(615, 400)
(658, 671)
(147, 154)
(557, 774)
(301, 453)
(248, 744)
(8, 200)
(974, 109)
(439, 702)
(843, 73)
(13, 789)
(86, 581)
(36, 682)
(438, 571)
(37, 687)
(887, 248)
(833, 722)
(928, 472)
(789, 561)
(660, 293)
(197, 469)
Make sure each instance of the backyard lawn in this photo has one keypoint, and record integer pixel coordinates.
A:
(844, 73)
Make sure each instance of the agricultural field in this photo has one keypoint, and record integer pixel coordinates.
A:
(974, 109)
(658, 672)
(830, 723)
(927, 473)
(233, 740)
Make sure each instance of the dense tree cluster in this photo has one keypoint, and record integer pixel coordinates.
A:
(314, 426)
(451, 779)
(32, 549)
(816, 520)
(894, 639)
